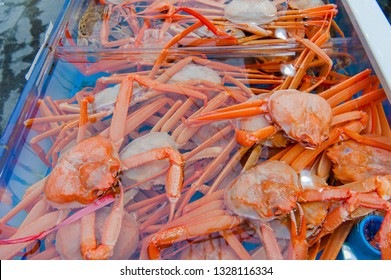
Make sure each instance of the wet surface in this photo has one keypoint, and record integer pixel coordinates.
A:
(385, 5)
(23, 24)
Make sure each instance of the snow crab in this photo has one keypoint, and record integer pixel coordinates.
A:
(121, 24)
(272, 190)
(304, 117)
(89, 171)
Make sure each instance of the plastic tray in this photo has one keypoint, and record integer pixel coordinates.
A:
(60, 79)
(82, 27)
(63, 71)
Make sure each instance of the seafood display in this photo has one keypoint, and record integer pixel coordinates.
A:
(146, 24)
(169, 154)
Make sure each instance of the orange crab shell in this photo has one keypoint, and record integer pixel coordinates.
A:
(304, 117)
(264, 192)
(353, 161)
(83, 173)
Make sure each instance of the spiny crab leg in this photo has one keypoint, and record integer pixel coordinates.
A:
(299, 245)
(88, 245)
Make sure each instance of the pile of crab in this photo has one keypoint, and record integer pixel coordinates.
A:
(195, 158)
(131, 23)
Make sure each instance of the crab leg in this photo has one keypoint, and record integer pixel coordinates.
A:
(384, 236)
(272, 249)
(348, 116)
(341, 213)
(305, 58)
(30, 196)
(239, 84)
(345, 84)
(183, 133)
(207, 23)
(248, 139)
(367, 140)
(385, 128)
(299, 245)
(174, 88)
(104, 32)
(88, 247)
(167, 237)
(117, 126)
(217, 195)
(38, 210)
(246, 109)
(349, 92)
(131, 17)
(158, 7)
(154, 218)
(170, 118)
(336, 241)
(322, 55)
(43, 223)
(222, 133)
(372, 96)
(164, 52)
(190, 29)
(83, 120)
(214, 208)
(236, 245)
(212, 166)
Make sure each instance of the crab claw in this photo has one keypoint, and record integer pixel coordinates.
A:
(299, 245)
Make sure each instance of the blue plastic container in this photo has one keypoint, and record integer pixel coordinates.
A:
(357, 245)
